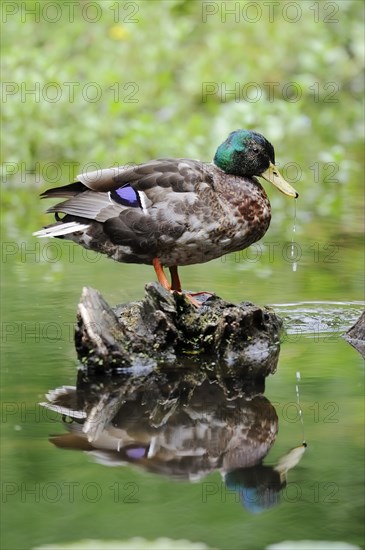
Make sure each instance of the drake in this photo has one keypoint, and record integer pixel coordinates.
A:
(172, 212)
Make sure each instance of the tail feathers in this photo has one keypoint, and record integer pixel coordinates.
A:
(66, 191)
(64, 401)
(59, 229)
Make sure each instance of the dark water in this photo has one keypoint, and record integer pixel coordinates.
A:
(56, 494)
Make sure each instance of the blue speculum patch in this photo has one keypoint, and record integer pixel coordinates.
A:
(127, 196)
(136, 452)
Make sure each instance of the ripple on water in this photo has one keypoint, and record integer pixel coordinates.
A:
(320, 318)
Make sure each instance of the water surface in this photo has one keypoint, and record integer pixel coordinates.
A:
(58, 494)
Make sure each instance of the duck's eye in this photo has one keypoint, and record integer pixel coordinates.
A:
(255, 149)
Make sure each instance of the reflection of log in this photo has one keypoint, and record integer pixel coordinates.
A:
(356, 335)
(166, 329)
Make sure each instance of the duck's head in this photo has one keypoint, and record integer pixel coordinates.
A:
(246, 154)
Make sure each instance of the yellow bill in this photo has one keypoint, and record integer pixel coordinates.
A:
(273, 175)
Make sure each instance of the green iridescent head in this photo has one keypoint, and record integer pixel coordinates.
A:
(246, 153)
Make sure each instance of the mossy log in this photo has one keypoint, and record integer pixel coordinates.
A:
(165, 331)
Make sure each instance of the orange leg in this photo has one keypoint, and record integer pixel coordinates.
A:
(175, 281)
(176, 285)
(160, 274)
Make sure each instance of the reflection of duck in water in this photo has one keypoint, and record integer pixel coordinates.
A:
(185, 438)
(259, 487)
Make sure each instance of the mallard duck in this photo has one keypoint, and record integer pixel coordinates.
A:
(172, 212)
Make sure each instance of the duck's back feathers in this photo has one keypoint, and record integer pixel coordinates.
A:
(181, 175)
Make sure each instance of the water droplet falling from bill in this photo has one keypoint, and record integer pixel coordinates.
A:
(293, 243)
(299, 405)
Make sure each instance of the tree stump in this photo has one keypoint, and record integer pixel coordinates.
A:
(166, 332)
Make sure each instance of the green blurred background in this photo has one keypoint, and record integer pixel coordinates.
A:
(104, 83)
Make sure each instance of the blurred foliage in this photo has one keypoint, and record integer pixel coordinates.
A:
(110, 83)
(167, 51)
(131, 81)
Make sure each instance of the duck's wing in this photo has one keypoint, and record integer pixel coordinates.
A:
(102, 194)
